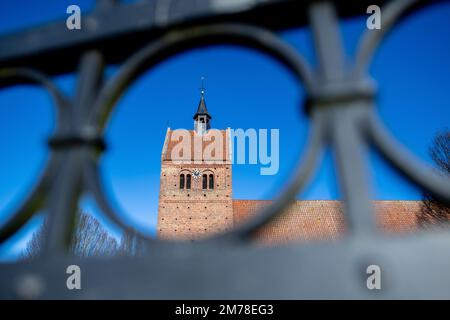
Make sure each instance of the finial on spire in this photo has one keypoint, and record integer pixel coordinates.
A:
(202, 89)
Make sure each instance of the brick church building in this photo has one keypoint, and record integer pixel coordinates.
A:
(196, 197)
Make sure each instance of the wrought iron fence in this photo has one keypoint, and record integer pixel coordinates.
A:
(341, 106)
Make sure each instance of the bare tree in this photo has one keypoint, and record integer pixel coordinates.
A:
(131, 245)
(90, 239)
(434, 212)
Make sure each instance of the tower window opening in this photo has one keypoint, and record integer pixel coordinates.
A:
(205, 181)
(211, 181)
(182, 181)
(188, 181)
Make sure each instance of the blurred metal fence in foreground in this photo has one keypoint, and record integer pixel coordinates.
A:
(341, 107)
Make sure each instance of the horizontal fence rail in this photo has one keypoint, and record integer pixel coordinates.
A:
(341, 105)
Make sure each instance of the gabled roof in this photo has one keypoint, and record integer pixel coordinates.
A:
(309, 220)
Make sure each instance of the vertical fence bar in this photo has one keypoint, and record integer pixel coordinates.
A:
(327, 41)
(350, 151)
(89, 82)
(63, 204)
(65, 194)
(345, 118)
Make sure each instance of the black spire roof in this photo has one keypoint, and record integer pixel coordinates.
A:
(202, 110)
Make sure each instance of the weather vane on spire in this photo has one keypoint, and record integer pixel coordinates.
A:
(202, 89)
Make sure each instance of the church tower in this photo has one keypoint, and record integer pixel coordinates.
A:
(195, 197)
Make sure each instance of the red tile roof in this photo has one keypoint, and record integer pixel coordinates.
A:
(324, 220)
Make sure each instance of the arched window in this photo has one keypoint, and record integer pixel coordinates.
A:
(205, 181)
(211, 181)
(188, 181)
(182, 181)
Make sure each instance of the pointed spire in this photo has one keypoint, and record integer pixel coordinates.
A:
(202, 117)
(201, 109)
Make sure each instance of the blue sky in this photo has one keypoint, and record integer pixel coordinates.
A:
(245, 89)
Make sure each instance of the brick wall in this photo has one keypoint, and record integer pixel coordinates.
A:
(191, 214)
